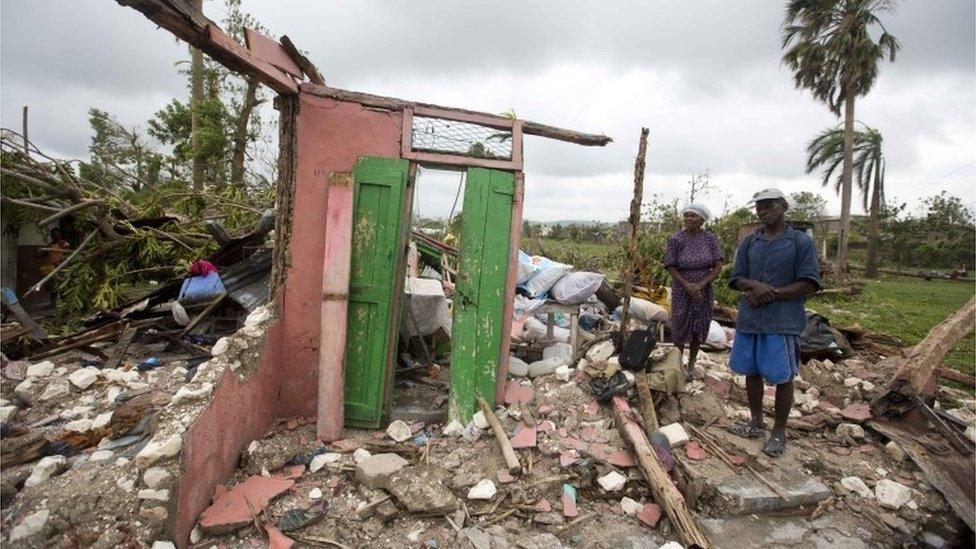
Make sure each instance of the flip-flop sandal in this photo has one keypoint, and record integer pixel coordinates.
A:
(775, 446)
(748, 430)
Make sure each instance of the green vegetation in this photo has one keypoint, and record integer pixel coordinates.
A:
(906, 309)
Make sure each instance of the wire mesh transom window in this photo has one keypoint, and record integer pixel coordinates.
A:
(437, 135)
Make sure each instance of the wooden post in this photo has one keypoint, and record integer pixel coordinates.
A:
(24, 133)
(335, 306)
(664, 490)
(635, 208)
(511, 459)
(919, 362)
(646, 403)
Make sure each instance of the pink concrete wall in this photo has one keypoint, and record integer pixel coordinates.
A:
(239, 412)
(331, 136)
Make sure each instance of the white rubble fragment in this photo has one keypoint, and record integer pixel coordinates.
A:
(55, 389)
(196, 534)
(630, 506)
(852, 382)
(672, 545)
(102, 420)
(562, 351)
(479, 420)
(971, 433)
(881, 472)
(25, 390)
(360, 454)
(517, 367)
(867, 386)
(157, 495)
(891, 494)
(137, 385)
(154, 477)
(163, 545)
(186, 393)
(485, 489)
(6, 412)
(563, 373)
(850, 429)
(44, 468)
(414, 536)
(399, 431)
(315, 493)
(600, 352)
(127, 484)
(321, 460)
(118, 375)
(856, 485)
(83, 378)
(220, 347)
(676, 434)
(157, 449)
(545, 366)
(471, 432)
(60, 372)
(252, 447)
(76, 412)
(40, 369)
(257, 317)
(612, 481)
(121, 461)
(78, 426)
(895, 451)
(112, 392)
(32, 524)
(453, 429)
(912, 505)
(101, 455)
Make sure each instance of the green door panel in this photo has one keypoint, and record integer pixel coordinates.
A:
(479, 299)
(378, 199)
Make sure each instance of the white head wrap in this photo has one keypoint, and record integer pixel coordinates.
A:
(698, 209)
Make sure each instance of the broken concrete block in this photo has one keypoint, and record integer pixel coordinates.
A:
(453, 429)
(852, 382)
(118, 375)
(612, 481)
(544, 366)
(517, 367)
(157, 495)
(562, 351)
(101, 455)
(44, 469)
(25, 390)
(856, 485)
(187, 393)
(322, 460)
(675, 433)
(630, 506)
(154, 477)
(359, 454)
(375, 471)
(220, 347)
(485, 489)
(83, 378)
(399, 431)
(851, 430)
(257, 317)
(479, 421)
(55, 390)
(102, 420)
(895, 451)
(563, 373)
(891, 494)
(315, 493)
(157, 449)
(422, 489)
(32, 524)
(6, 412)
(163, 545)
(40, 369)
(600, 352)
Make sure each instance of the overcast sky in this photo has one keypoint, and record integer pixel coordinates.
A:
(704, 76)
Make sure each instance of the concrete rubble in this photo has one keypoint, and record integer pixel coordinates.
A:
(440, 483)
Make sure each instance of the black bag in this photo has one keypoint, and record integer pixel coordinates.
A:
(636, 350)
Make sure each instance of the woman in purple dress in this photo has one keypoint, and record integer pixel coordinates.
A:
(694, 259)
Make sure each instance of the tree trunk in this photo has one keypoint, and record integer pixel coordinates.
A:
(240, 132)
(871, 269)
(196, 99)
(840, 264)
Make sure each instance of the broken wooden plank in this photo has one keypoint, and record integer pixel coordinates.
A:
(335, 306)
(118, 353)
(203, 314)
(84, 342)
(266, 49)
(646, 403)
(10, 301)
(664, 490)
(958, 377)
(511, 459)
(394, 104)
(309, 68)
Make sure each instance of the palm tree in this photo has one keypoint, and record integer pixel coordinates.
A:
(826, 152)
(831, 52)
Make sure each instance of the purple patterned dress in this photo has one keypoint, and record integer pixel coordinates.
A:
(694, 257)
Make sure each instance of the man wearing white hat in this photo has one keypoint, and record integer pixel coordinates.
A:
(775, 269)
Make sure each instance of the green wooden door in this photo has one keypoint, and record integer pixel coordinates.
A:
(381, 185)
(479, 299)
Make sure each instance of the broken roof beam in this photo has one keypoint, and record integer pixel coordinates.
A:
(182, 19)
(392, 103)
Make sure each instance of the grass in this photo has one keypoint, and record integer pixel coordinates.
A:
(906, 309)
(584, 256)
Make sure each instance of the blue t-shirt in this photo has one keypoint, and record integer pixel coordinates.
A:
(778, 262)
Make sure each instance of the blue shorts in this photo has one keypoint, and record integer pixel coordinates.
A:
(775, 357)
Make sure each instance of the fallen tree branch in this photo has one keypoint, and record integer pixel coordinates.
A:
(63, 264)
